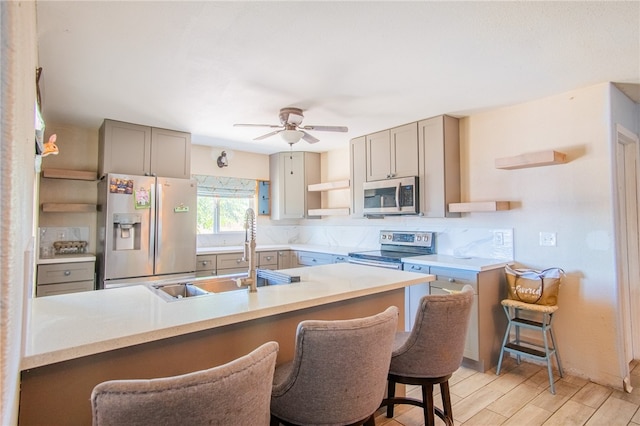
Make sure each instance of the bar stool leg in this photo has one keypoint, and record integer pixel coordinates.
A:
(516, 311)
(555, 346)
(546, 320)
(504, 341)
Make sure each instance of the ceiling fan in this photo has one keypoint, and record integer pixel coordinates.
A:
(290, 127)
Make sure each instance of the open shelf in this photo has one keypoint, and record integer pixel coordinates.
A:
(68, 208)
(328, 186)
(533, 159)
(329, 212)
(483, 206)
(69, 174)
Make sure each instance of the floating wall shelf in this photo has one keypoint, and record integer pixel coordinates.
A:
(329, 212)
(485, 206)
(68, 208)
(69, 174)
(533, 159)
(328, 186)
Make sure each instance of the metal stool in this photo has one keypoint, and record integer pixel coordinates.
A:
(521, 347)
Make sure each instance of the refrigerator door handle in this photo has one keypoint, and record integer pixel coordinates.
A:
(158, 218)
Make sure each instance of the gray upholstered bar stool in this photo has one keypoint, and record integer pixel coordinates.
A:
(337, 376)
(523, 348)
(431, 352)
(234, 393)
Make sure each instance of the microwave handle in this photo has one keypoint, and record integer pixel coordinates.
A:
(398, 195)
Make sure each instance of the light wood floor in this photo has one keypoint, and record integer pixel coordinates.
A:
(520, 396)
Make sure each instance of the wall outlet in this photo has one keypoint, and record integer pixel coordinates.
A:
(548, 239)
(498, 238)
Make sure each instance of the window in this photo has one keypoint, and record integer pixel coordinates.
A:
(222, 214)
(223, 202)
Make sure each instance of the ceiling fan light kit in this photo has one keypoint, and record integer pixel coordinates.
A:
(291, 136)
(290, 127)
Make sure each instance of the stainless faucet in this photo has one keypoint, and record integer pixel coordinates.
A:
(250, 251)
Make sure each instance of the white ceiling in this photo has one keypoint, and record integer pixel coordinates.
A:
(203, 66)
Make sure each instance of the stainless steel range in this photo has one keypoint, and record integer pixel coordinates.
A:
(395, 245)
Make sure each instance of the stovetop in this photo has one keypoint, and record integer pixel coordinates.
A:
(396, 245)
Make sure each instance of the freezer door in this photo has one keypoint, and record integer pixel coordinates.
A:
(176, 226)
(128, 215)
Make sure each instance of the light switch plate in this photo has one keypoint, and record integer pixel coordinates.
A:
(548, 239)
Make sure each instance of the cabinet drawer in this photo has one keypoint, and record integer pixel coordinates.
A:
(206, 262)
(73, 287)
(65, 272)
(412, 267)
(454, 279)
(311, 259)
(231, 260)
(268, 258)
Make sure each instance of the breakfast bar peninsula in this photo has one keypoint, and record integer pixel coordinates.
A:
(75, 341)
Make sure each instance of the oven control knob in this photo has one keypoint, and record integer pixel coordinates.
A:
(419, 237)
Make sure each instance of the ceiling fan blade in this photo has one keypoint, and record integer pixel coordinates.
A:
(268, 135)
(311, 139)
(274, 126)
(326, 128)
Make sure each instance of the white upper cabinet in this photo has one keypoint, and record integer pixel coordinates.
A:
(290, 174)
(142, 150)
(439, 143)
(392, 153)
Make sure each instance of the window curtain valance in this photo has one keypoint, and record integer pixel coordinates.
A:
(229, 187)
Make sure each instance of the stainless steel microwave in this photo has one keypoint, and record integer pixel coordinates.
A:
(392, 196)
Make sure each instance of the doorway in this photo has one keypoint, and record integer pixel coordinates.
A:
(627, 187)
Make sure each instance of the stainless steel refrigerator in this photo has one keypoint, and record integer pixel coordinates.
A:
(146, 229)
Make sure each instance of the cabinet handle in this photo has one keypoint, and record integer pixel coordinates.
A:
(313, 260)
(205, 262)
(238, 260)
(67, 273)
(269, 257)
(416, 268)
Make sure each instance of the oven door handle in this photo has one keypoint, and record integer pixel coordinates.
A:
(377, 264)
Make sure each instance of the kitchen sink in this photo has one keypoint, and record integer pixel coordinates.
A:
(220, 284)
(178, 291)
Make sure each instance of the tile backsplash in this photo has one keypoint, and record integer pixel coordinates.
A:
(49, 235)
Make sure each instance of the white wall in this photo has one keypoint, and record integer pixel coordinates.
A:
(242, 164)
(18, 58)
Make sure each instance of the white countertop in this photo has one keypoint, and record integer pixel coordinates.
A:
(339, 251)
(73, 325)
(66, 258)
(471, 263)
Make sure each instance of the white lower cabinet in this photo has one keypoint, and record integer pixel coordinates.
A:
(487, 322)
(60, 278)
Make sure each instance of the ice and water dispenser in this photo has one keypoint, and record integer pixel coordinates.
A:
(126, 231)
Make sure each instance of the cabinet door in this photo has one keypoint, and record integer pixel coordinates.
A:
(284, 259)
(358, 175)
(170, 153)
(293, 185)
(439, 153)
(378, 148)
(124, 148)
(404, 150)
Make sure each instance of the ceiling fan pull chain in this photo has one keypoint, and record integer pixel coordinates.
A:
(291, 157)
